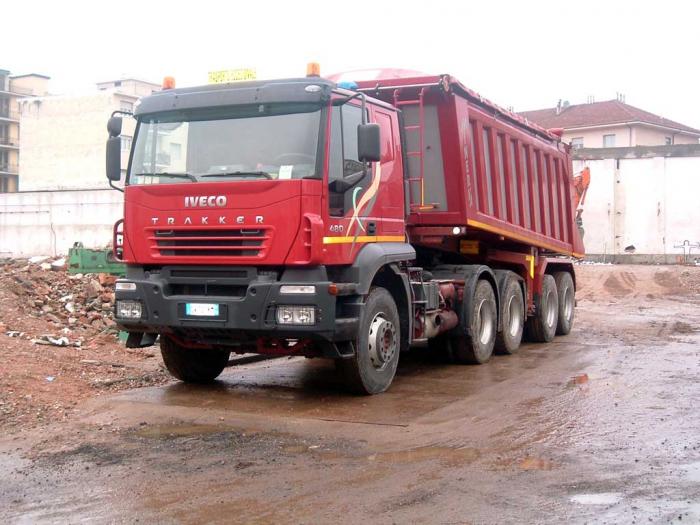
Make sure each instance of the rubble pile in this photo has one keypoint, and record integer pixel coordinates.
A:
(75, 308)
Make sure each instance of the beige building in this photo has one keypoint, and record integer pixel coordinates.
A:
(612, 124)
(12, 89)
(63, 137)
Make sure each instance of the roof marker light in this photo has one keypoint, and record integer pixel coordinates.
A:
(313, 69)
(168, 82)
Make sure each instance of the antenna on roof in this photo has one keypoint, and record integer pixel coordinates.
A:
(590, 99)
(621, 97)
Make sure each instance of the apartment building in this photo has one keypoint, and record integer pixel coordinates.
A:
(63, 136)
(12, 90)
(612, 124)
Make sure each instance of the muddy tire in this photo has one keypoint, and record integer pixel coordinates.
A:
(542, 326)
(192, 365)
(512, 317)
(565, 292)
(371, 370)
(477, 348)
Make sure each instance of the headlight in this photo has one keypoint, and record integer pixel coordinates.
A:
(304, 315)
(129, 309)
(125, 286)
(287, 289)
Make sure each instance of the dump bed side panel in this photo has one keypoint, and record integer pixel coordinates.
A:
(472, 163)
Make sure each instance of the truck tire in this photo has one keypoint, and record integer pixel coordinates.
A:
(565, 292)
(512, 317)
(377, 346)
(542, 326)
(477, 347)
(192, 365)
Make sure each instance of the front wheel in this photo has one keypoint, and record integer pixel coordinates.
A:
(192, 365)
(371, 370)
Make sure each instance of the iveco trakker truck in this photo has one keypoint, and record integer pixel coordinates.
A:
(341, 220)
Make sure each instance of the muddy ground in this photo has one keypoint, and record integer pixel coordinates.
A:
(601, 426)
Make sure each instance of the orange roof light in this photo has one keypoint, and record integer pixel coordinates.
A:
(313, 69)
(168, 82)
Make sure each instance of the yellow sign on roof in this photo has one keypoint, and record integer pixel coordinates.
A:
(231, 75)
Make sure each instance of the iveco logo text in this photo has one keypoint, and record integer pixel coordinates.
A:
(203, 201)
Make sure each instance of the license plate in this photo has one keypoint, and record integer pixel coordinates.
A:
(202, 309)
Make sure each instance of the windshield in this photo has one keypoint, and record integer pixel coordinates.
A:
(240, 143)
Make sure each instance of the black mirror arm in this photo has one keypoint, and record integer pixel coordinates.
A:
(111, 185)
(363, 105)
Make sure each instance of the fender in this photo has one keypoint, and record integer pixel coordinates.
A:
(371, 258)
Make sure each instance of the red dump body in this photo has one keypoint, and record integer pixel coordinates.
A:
(473, 163)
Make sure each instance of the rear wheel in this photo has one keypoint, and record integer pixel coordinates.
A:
(192, 365)
(477, 347)
(565, 292)
(377, 346)
(542, 326)
(512, 317)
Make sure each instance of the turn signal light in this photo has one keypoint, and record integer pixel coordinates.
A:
(168, 82)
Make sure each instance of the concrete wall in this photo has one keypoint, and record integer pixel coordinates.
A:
(48, 223)
(645, 198)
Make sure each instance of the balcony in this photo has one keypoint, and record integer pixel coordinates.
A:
(9, 115)
(12, 142)
(9, 169)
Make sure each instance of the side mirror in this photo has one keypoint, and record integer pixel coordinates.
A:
(114, 126)
(368, 144)
(114, 158)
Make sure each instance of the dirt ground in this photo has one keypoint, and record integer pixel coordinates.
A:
(600, 426)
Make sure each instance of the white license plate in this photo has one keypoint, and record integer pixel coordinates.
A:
(202, 309)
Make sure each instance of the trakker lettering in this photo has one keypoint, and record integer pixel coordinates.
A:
(222, 219)
(211, 201)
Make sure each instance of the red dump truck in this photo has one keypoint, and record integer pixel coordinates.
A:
(344, 220)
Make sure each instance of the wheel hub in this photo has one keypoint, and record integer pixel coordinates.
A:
(382, 341)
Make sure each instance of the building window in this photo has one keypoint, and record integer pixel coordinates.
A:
(127, 106)
(577, 142)
(126, 143)
(669, 141)
(608, 141)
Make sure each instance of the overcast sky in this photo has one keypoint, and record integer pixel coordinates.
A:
(525, 54)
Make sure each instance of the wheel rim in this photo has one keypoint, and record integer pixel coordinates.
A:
(382, 341)
(485, 322)
(515, 316)
(551, 313)
(568, 303)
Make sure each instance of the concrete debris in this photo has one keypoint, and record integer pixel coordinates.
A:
(75, 308)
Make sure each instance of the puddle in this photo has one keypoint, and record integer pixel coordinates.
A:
(536, 464)
(451, 457)
(604, 498)
(692, 472)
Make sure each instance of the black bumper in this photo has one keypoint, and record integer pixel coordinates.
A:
(248, 298)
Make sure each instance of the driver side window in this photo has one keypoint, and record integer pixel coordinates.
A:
(343, 155)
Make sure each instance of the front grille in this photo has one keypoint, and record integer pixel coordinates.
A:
(206, 289)
(232, 242)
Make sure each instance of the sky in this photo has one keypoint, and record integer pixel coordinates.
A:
(524, 54)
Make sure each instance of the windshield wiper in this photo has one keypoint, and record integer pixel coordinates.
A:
(238, 174)
(169, 174)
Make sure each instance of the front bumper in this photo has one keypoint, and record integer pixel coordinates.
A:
(247, 299)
